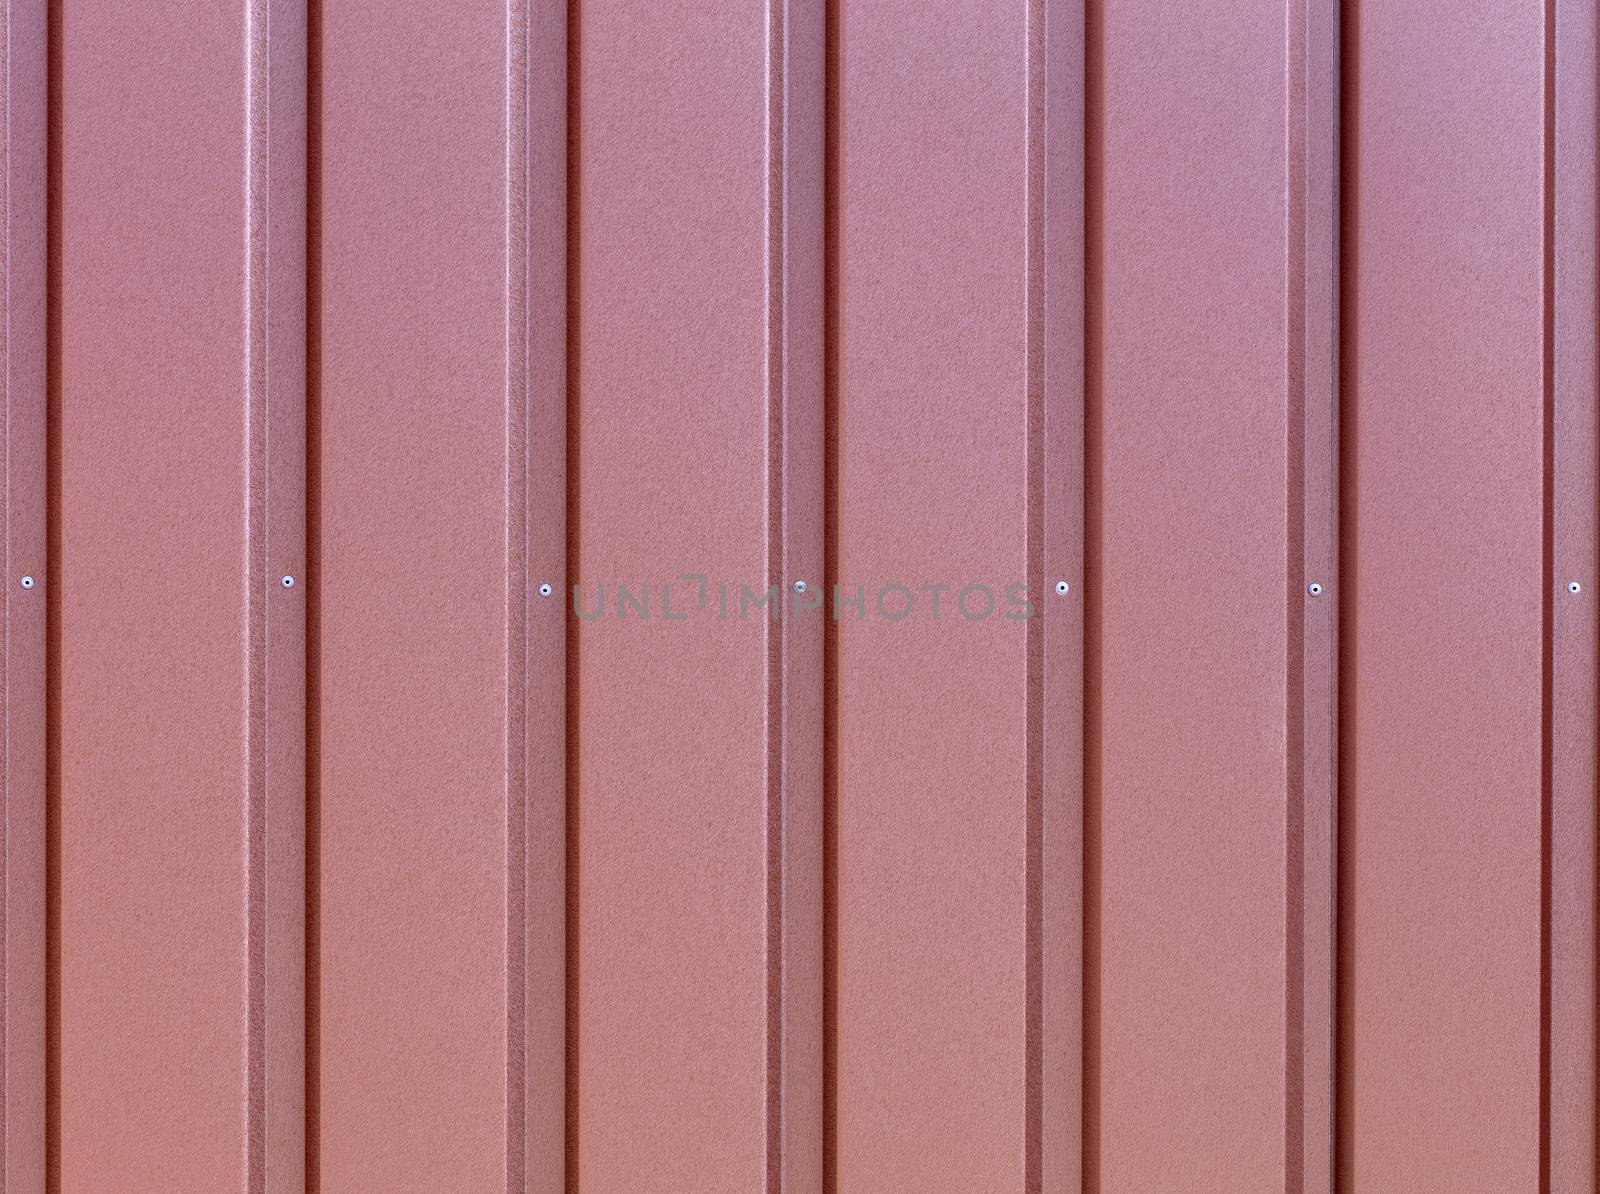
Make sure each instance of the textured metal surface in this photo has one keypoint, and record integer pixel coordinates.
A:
(1261, 857)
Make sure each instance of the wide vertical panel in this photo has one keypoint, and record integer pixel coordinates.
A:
(696, 1031)
(22, 815)
(1443, 604)
(178, 395)
(932, 769)
(1198, 462)
(439, 920)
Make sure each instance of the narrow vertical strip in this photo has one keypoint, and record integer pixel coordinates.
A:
(537, 718)
(1093, 597)
(1312, 593)
(571, 328)
(833, 267)
(1057, 571)
(795, 353)
(23, 329)
(1547, 603)
(517, 591)
(776, 12)
(1294, 576)
(53, 155)
(1033, 680)
(312, 1011)
(274, 574)
(1346, 456)
(1572, 318)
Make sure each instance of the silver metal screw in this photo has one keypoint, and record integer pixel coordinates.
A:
(1314, 589)
(1574, 587)
(546, 589)
(27, 582)
(288, 582)
(1063, 588)
(799, 586)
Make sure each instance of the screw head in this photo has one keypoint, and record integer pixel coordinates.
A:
(799, 586)
(1314, 589)
(1063, 588)
(288, 582)
(27, 582)
(546, 589)
(1574, 587)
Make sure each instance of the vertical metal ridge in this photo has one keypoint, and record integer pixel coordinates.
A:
(23, 328)
(312, 1012)
(1345, 461)
(1294, 592)
(536, 545)
(1093, 547)
(257, 42)
(1572, 315)
(52, 151)
(794, 541)
(1057, 477)
(1311, 558)
(1309, 551)
(571, 94)
(773, 630)
(833, 274)
(1547, 591)
(1033, 763)
(517, 592)
(274, 543)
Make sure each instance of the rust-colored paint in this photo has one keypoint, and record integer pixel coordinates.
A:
(475, 719)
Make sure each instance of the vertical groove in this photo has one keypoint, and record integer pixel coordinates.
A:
(574, 580)
(1294, 612)
(1547, 606)
(313, 599)
(1033, 793)
(775, 628)
(1346, 350)
(516, 564)
(833, 276)
(55, 135)
(255, 580)
(1093, 595)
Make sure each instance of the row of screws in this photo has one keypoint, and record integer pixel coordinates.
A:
(1062, 587)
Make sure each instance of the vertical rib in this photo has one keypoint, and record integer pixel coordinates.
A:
(1571, 449)
(795, 516)
(517, 585)
(1312, 557)
(1093, 598)
(1033, 763)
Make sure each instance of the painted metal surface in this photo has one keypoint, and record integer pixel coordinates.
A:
(798, 597)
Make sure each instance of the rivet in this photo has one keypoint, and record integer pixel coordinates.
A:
(1574, 587)
(799, 586)
(1314, 589)
(1063, 588)
(27, 582)
(288, 582)
(546, 589)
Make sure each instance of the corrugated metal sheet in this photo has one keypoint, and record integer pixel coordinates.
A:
(799, 597)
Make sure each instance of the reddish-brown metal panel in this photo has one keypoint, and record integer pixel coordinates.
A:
(435, 1032)
(1443, 684)
(178, 706)
(1199, 401)
(696, 1058)
(931, 420)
